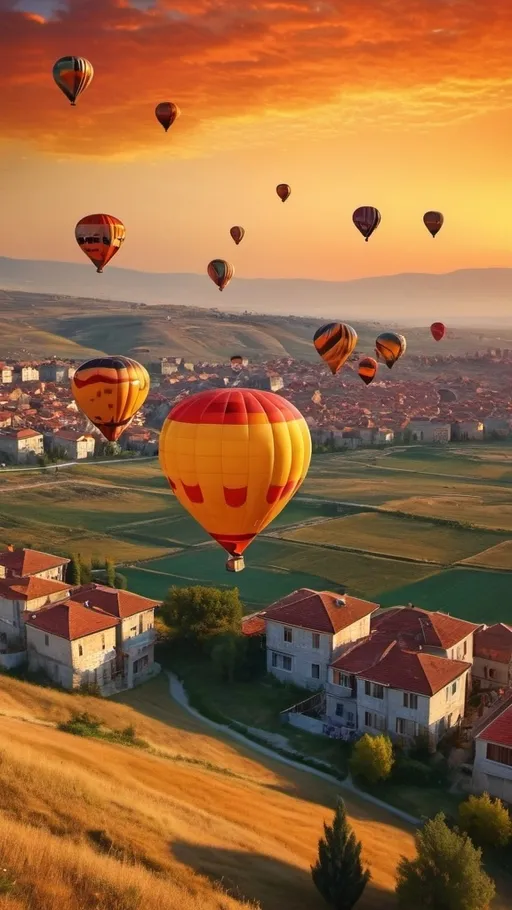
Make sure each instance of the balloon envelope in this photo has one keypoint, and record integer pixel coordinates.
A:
(433, 222)
(110, 391)
(283, 191)
(73, 75)
(390, 346)
(366, 219)
(234, 458)
(237, 233)
(221, 272)
(166, 113)
(335, 343)
(100, 237)
(368, 369)
(437, 329)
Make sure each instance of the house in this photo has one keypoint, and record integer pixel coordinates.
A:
(467, 429)
(54, 372)
(19, 596)
(21, 446)
(492, 664)
(5, 374)
(22, 562)
(5, 419)
(436, 633)
(26, 372)
(75, 445)
(429, 430)
(492, 767)
(306, 629)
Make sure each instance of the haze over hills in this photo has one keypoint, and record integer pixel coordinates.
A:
(464, 297)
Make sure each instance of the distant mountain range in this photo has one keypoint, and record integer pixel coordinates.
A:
(467, 296)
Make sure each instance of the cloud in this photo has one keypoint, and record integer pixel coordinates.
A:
(282, 63)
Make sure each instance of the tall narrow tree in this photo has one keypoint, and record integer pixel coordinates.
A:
(73, 570)
(338, 873)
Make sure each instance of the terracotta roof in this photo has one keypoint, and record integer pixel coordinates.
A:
(29, 562)
(112, 601)
(499, 730)
(494, 643)
(320, 611)
(361, 655)
(254, 624)
(71, 620)
(19, 434)
(437, 630)
(30, 588)
(414, 671)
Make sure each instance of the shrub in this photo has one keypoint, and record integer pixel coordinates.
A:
(486, 820)
(372, 758)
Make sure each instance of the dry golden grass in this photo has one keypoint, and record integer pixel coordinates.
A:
(498, 557)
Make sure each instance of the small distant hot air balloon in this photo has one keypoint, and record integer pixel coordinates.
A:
(73, 75)
(221, 272)
(390, 346)
(110, 391)
(433, 222)
(237, 233)
(166, 113)
(237, 363)
(100, 237)
(366, 219)
(437, 329)
(335, 343)
(283, 191)
(234, 458)
(368, 369)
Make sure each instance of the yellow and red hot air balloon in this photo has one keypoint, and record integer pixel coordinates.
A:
(368, 369)
(221, 272)
(237, 232)
(110, 391)
(100, 237)
(390, 346)
(166, 113)
(283, 191)
(73, 75)
(433, 222)
(437, 330)
(335, 343)
(234, 458)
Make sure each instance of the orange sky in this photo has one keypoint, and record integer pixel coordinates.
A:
(403, 105)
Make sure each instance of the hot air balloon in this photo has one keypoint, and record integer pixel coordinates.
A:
(100, 237)
(433, 222)
(110, 391)
(166, 113)
(437, 329)
(335, 343)
(73, 75)
(234, 458)
(366, 219)
(368, 369)
(283, 191)
(237, 363)
(221, 272)
(390, 346)
(237, 233)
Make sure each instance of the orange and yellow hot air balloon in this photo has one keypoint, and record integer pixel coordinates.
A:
(220, 272)
(335, 343)
(390, 346)
(234, 458)
(110, 391)
(368, 369)
(100, 237)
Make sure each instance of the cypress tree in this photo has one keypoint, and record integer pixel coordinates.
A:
(338, 874)
(110, 571)
(73, 575)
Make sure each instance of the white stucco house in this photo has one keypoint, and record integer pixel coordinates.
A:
(430, 430)
(435, 632)
(492, 767)
(492, 664)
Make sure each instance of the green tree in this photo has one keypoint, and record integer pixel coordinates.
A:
(447, 873)
(110, 573)
(225, 656)
(85, 570)
(120, 581)
(486, 820)
(73, 575)
(338, 873)
(372, 758)
(197, 613)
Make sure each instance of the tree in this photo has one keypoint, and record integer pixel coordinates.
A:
(73, 570)
(110, 572)
(486, 820)
(338, 873)
(446, 874)
(198, 612)
(85, 570)
(120, 581)
(372, 758)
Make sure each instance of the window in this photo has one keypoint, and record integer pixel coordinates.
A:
(350, 717)
(367, 688)
(281, 661)
(375, 721)
(406, 727)
(339, 709)
(341, 679)
(287, 663)
(492, 673)
(315, 671)
(141, 625)
(140, 664)
(102, 642)
(315, 640)
(80, 651)
(47, 640)
(287, 635)
(410, 701)
(133, 631)
(454, 687)
(465, 649)
(500, 754)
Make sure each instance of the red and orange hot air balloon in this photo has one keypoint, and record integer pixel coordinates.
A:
(234, 458)
(110, 391)
(283, 191)
(221, 272)
(100, 237)
(437, 330)
(237, 233)
(433, 222)
(335, 343)
(166, 113)
(73, 75)
(366, 219)
(368, 369)
(389, 347)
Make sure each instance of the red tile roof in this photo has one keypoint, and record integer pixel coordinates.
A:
(436, 630)
(254, 624)
(112, 601)
(319, 611)
(19, 434)
(499, 730)
(414, 671)
(362, 655)
(29, 562)
(494, 643)
(30, 588)
(71, 620)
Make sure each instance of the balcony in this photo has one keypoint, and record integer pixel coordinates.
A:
(139, 641)
(340, 691)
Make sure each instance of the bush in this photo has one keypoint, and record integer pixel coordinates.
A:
(372, 758)
(486, 820)
(198, 613)
(410, 772)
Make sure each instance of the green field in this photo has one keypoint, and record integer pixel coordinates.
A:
(479, 596)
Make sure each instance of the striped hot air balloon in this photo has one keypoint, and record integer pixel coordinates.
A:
(234, 458)
(390, 346)
(335, 343)
(73, 75)
(366, 219)
(221, 272)
(368, 369)
(433, 222)
(100, 237)
(166, 113)
(110, 391)
(237, 233)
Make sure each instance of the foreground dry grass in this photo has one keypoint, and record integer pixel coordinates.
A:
(86, 825)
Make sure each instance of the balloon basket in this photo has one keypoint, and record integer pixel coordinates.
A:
(235, 564)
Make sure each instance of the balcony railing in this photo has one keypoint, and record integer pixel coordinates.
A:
(340, 691)
(140, 641)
